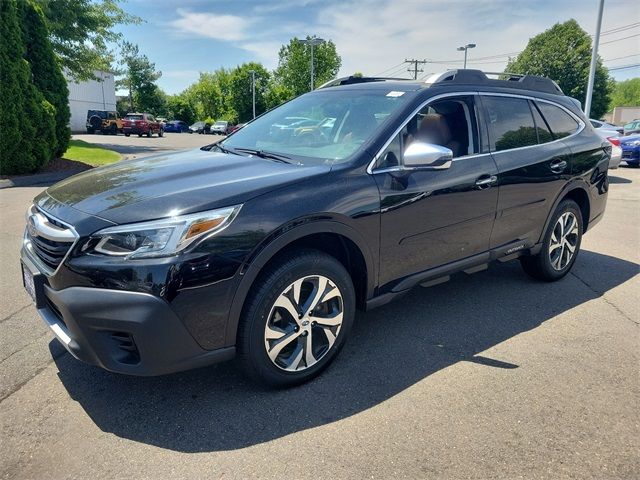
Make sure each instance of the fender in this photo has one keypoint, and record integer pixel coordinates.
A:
(574, 184)
(274, 244)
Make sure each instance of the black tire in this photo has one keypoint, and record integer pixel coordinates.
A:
(268, 287)
(114, 129)
(96, 123)
(160, 133)
(541, 266)
(149, 133)
(139, 135)
(127, 134)
(91, 131)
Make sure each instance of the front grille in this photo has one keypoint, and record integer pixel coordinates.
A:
(49, 239)
(49, 252)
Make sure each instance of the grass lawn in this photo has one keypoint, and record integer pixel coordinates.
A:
(90, 154)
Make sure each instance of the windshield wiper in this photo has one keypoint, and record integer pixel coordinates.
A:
(265, 154)
(224, 149)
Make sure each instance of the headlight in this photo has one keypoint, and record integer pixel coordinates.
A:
(160, 238)
(635, 143)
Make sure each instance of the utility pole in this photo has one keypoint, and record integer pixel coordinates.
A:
(415, 69)
(253, 90)
(594, 61)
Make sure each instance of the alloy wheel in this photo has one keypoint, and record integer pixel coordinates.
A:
(303, 323)
(564, 241)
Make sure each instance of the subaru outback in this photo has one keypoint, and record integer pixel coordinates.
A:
(263, 245)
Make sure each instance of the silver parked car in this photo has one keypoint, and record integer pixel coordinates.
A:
(611, 133)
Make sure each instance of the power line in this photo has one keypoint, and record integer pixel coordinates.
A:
(622, 38)
(620, 58)
(621, 28)
(625, 67)
(415, 69)
(390, 68)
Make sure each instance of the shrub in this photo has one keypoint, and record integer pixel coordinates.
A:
(46, 73)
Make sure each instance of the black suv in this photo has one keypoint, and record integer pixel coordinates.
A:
(263, 245)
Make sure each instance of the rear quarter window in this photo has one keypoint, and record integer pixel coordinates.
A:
(561, 123)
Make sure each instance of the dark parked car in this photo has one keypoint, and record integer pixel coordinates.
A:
(177, 126)
(200, 127)
(142, 124)
(631, 149)
(264, 247)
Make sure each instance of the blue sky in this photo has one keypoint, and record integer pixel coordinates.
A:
(184, 37)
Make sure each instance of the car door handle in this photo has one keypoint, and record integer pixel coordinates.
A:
(558, 166)
(486, 180)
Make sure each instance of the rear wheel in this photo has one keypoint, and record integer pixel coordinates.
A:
(297, 319)
(160, 132)
(149, 133)
(127, 134)
(114, 129)
(560, 245)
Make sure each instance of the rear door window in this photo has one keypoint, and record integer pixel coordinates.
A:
(562, 124)
(510, 123)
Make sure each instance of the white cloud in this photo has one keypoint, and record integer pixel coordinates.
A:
(210, 25)
(373, 35)
(267, 52)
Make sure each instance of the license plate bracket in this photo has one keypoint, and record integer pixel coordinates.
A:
(33, 283)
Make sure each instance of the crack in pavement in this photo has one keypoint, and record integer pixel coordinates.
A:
(606, 300)
(10, 316)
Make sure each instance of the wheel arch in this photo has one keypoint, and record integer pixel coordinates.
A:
(576, 191)
(335, 238)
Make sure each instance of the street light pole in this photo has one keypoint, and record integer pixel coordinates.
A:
(253, 90)
(465, 48)
(594, 61)
(312, 41)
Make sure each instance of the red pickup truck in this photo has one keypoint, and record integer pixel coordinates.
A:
(142, 124)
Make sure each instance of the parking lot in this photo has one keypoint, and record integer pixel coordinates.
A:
(491, 375)
(135, 147)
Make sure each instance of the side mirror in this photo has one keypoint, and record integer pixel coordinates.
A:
(427, 156)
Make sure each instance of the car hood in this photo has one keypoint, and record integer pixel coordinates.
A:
(173, 184)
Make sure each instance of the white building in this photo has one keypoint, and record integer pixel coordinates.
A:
(90, 95)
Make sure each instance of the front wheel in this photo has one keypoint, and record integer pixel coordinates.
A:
(560, 245)
(160, 132)
(297, 319)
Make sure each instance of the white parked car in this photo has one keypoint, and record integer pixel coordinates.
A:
(611, 133)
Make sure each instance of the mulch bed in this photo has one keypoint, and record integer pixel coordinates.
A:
(57, 165)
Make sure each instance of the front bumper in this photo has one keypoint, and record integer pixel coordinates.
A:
(125, 332)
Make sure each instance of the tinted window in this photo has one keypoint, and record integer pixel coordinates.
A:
(595, 124)
(544, 134)
(562, 124)
(510, 123)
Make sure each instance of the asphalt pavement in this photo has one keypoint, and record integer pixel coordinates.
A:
(491, 375)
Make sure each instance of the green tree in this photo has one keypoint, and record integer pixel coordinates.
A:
(138, 76)
(295, 60)
(563, 53)
(27, 135)
(81, 32)
(277, 93)
(179, 107)
(625, 93)
(46, 73)
(242, 98)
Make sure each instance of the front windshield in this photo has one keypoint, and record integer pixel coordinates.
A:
(326, 125)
